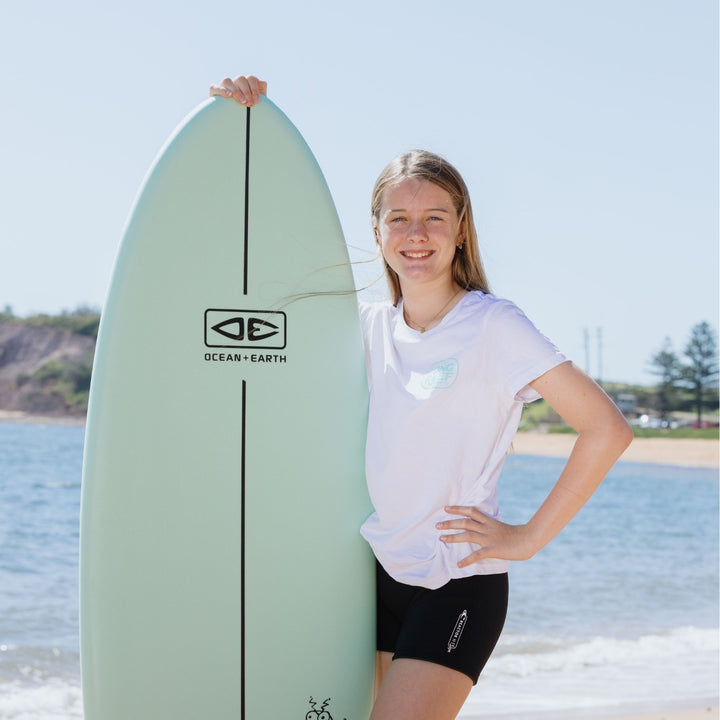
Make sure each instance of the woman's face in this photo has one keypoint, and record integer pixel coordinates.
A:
(418, 231)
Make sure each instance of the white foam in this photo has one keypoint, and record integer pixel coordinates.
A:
(54, 700)
(530, 675)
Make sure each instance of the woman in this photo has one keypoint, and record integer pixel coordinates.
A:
(449, 368)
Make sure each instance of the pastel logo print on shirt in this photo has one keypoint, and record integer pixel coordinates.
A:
(441, 375)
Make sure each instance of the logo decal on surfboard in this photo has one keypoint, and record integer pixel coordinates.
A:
(253, 329)
(319, 713)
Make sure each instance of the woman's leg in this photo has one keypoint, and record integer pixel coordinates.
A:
(382, 664)
(420, 690)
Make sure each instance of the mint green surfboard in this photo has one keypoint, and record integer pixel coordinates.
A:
(222, 574)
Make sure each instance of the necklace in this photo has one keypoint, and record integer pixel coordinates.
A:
(423, 328)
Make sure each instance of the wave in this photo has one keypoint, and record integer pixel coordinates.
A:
(544, 674)
(54, 700)
(57, 485)
(524, 655)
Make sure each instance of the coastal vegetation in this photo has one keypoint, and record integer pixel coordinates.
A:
(46, 361)
(694, 373)
(84, 320)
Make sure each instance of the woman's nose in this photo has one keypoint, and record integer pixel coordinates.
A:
(416, 231)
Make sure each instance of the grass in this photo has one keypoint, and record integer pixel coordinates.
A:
(539, 415)
(712, 433)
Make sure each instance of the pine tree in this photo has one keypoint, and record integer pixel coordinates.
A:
(666, 365)
(702, 369)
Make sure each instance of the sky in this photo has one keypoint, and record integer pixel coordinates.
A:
(587, 131)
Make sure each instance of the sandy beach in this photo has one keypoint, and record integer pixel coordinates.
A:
(17, 416)
(709, 713)
(705, 713)
(686, 452)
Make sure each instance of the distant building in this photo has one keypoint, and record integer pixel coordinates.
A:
(626, 403)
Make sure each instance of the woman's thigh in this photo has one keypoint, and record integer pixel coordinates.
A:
(420, 690)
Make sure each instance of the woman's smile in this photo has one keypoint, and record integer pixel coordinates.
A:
(415, 254)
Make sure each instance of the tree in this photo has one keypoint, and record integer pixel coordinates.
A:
(702, 369)
(666, 365)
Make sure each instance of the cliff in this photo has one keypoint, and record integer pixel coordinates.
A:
(45, 367)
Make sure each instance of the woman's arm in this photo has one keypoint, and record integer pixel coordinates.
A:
(603, 435)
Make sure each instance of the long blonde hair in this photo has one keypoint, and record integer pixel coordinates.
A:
(467, 268)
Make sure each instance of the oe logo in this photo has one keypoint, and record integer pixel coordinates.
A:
(256, 329)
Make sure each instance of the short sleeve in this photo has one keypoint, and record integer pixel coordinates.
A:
(519, 353)
(373, 317)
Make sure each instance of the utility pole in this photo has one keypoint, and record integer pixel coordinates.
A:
(587, 350)
(600, 353)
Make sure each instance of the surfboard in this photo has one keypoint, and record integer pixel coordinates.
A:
(222, 574)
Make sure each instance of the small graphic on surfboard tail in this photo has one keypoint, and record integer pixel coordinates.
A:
(319, 713)
(454, 640)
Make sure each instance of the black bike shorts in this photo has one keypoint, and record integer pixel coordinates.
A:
(457, 625)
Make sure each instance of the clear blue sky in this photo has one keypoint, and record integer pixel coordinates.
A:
(587, 131)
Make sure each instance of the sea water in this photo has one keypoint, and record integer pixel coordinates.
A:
(40, 469)
(619, 612)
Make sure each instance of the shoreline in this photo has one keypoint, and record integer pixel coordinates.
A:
(681, 452)
(706, 712)
(24, 418)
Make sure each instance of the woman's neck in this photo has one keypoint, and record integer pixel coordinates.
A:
(425, 306)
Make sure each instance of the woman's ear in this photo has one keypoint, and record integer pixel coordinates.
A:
(461, 235)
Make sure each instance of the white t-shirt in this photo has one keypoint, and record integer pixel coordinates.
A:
(444, 408)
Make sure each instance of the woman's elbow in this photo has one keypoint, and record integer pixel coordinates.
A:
(626, 434)
(619, 433)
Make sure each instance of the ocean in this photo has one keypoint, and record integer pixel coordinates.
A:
(619, 613)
